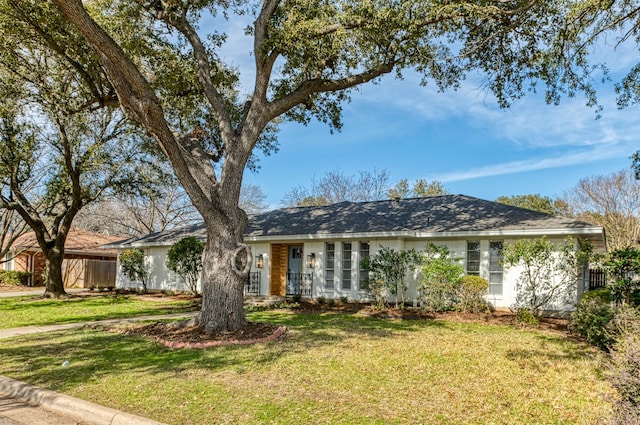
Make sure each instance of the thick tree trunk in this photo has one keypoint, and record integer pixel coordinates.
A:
(54, 284)
(225, 265)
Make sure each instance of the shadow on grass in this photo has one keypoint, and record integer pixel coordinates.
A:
(93, 354)
(553, 349)
(45, 311)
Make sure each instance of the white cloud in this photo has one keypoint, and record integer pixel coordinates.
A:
(598, 153)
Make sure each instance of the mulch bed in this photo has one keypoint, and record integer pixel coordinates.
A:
(190, 335)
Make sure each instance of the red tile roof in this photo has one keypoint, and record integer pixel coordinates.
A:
(78, 240)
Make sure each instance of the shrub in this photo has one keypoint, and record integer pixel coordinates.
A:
(525, 317)
(441, 275)
(387, 272)
(10, 277)
(623, 265)
(602, 295)
(471, 292)
(185, 259)
(624, 367)
(592, 317)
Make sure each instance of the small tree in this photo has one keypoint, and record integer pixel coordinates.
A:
(440, 277)
(623, 266)
(134, 267)
(185, 259)
(388, 269)
(549, 272)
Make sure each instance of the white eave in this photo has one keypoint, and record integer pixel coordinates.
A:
(583, 231)
(405, 234)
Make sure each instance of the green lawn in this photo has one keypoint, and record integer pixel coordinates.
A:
(35, 310)
(329, 369)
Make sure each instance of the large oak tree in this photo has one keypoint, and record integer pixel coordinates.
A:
(64, 142)
(308, 55)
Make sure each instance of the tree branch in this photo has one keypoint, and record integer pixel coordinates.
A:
(179, 21)
(135, 94)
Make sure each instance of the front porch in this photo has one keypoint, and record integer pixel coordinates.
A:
(295, 284)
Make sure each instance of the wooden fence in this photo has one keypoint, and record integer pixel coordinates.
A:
(86, 273)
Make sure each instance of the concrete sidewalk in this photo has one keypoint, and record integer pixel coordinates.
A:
(67, 406)
(40, 292)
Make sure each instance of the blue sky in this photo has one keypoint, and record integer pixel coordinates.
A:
(460, 138)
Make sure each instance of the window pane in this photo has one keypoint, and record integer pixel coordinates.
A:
(473, 258)
(364, 253)
(330, 249)
(495, 256)
(346, 265)
(495, 267)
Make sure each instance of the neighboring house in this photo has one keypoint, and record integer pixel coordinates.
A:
(85, 264)
(316, 251)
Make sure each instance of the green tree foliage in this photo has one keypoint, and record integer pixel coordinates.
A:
(441, 274)
(185, 259)
(623, 268)
(64, 143)
(308, 57)
(421, 189)
(549, 273)
(134, 266)
(388, 271)
(535, 202)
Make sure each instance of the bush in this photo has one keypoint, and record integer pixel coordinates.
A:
(9, 277)
(471, 292)
(441, 274)
(624, 367)
(525, 317)
(592, 317)
(602, 295)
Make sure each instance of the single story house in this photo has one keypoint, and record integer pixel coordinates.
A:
(86, 263)
(316, 251)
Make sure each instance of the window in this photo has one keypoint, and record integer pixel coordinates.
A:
(473, 258)
(346, 265)
(495, 267)
(329, 268)
(363, 274)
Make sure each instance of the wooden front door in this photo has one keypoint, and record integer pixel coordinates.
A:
(278, 270)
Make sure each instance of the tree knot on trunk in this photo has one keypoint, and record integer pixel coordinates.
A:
(241, 260)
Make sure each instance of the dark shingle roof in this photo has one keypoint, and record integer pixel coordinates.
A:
(447, 213)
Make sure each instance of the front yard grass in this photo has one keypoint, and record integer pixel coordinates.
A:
(35, 310)
(330, 368)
